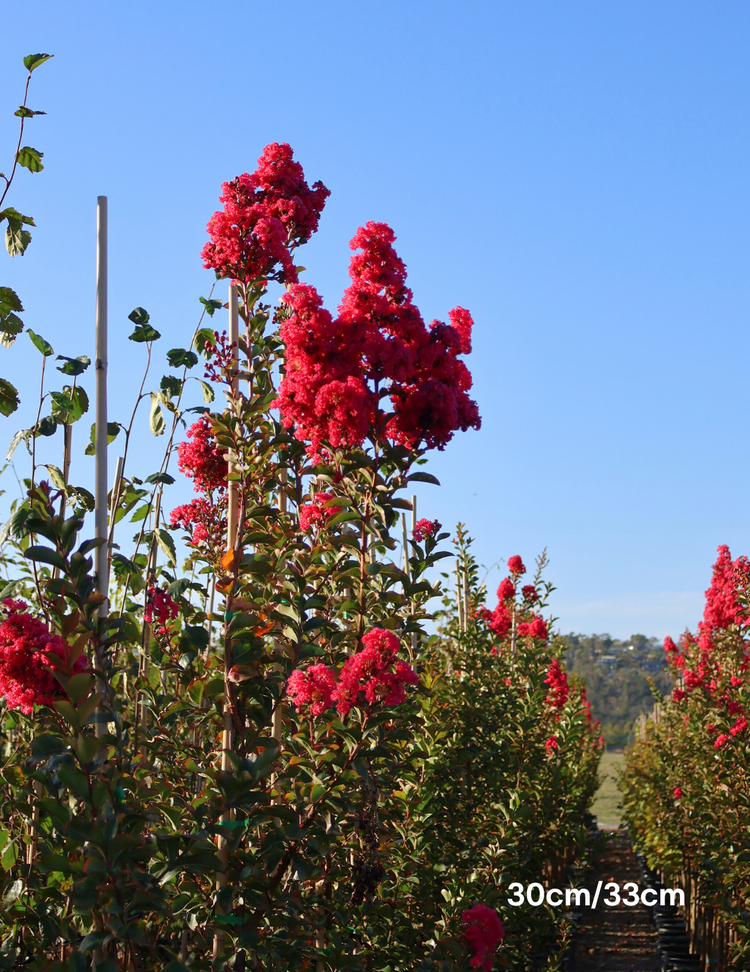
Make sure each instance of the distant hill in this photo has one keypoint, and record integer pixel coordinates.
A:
(616, 675)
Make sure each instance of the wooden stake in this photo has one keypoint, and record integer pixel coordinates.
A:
(100, 441)
(227, 736)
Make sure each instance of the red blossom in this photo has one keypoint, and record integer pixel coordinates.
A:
(558, 683)
(313, 687)
(28, 650)
(424, 529)
(721, 740)
(501, 620)
(536, 628)
(739, 726)
(530, 594)
(373, 675)
(263, 215)
(483, 931)
(338, 372)
(317, 513)
(200, 459)
(551, 745)
(677, 793)
(507, 590)
(160, 609)
(515, 566)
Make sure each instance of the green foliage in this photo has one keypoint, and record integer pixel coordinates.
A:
(619, 676)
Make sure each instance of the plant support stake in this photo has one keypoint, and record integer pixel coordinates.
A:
(100, 441)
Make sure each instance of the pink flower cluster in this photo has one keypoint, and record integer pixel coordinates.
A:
(483, 931)
(28, 650)
(200, 459)
(317, 513)
(369, 677)
(160, 609)
(339, 370)
(535, 628)
(424, 529)
(559, 690)
(265, 214)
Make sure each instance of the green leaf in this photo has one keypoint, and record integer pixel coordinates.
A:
(166, 543)
(32, 61)
(9, 399)
(46, 745)
(55, 474)
(171, 386)
(45, 555)
(208, 392)
(113, 430)
(30, 158)
(123, 567)
(23, 112)
(18, 438)
(16, 237)
(79, 686)
(143, 332)
(10, 323)
(46, 425)
(180, 358)
(197, 636)
(422, 477)
(13, 892)
(39, 343)
(160, 478)
(156, 416)
(69, 404)
(211, 307)
(204, 338)
(73, 366)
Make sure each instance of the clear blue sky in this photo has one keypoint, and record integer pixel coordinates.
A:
(577, 174)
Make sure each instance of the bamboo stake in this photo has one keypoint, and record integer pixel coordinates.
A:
(100, 442)
(227, 736)
(406, 544)
(459, 599)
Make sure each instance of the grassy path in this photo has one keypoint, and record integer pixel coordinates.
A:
(607, 801)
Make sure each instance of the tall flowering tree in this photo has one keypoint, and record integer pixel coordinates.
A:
(259, 791)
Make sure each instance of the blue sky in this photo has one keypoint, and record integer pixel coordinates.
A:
(575, 174)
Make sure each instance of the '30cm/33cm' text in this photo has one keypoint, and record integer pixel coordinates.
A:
(632, 895)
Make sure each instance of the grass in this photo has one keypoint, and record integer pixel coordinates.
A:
(607, 800)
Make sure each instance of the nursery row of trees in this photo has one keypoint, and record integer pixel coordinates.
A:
(249, 753)
(685, 787)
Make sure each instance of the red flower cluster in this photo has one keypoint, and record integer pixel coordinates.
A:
(367, 678)
(265, 215)
(203, 520)
(313, 687)
(317, 513)
(536, 628)
(677, 793)
(530, 594)
(507, 590)
(28, 650)
(721, 741)
(424, 529)
(200, 459)
(551, 745)
(515, 566)
(160, 609)
(483, 931)
(338, 370)
(558, 683)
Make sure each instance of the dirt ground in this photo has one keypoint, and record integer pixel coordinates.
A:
(619, 939)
